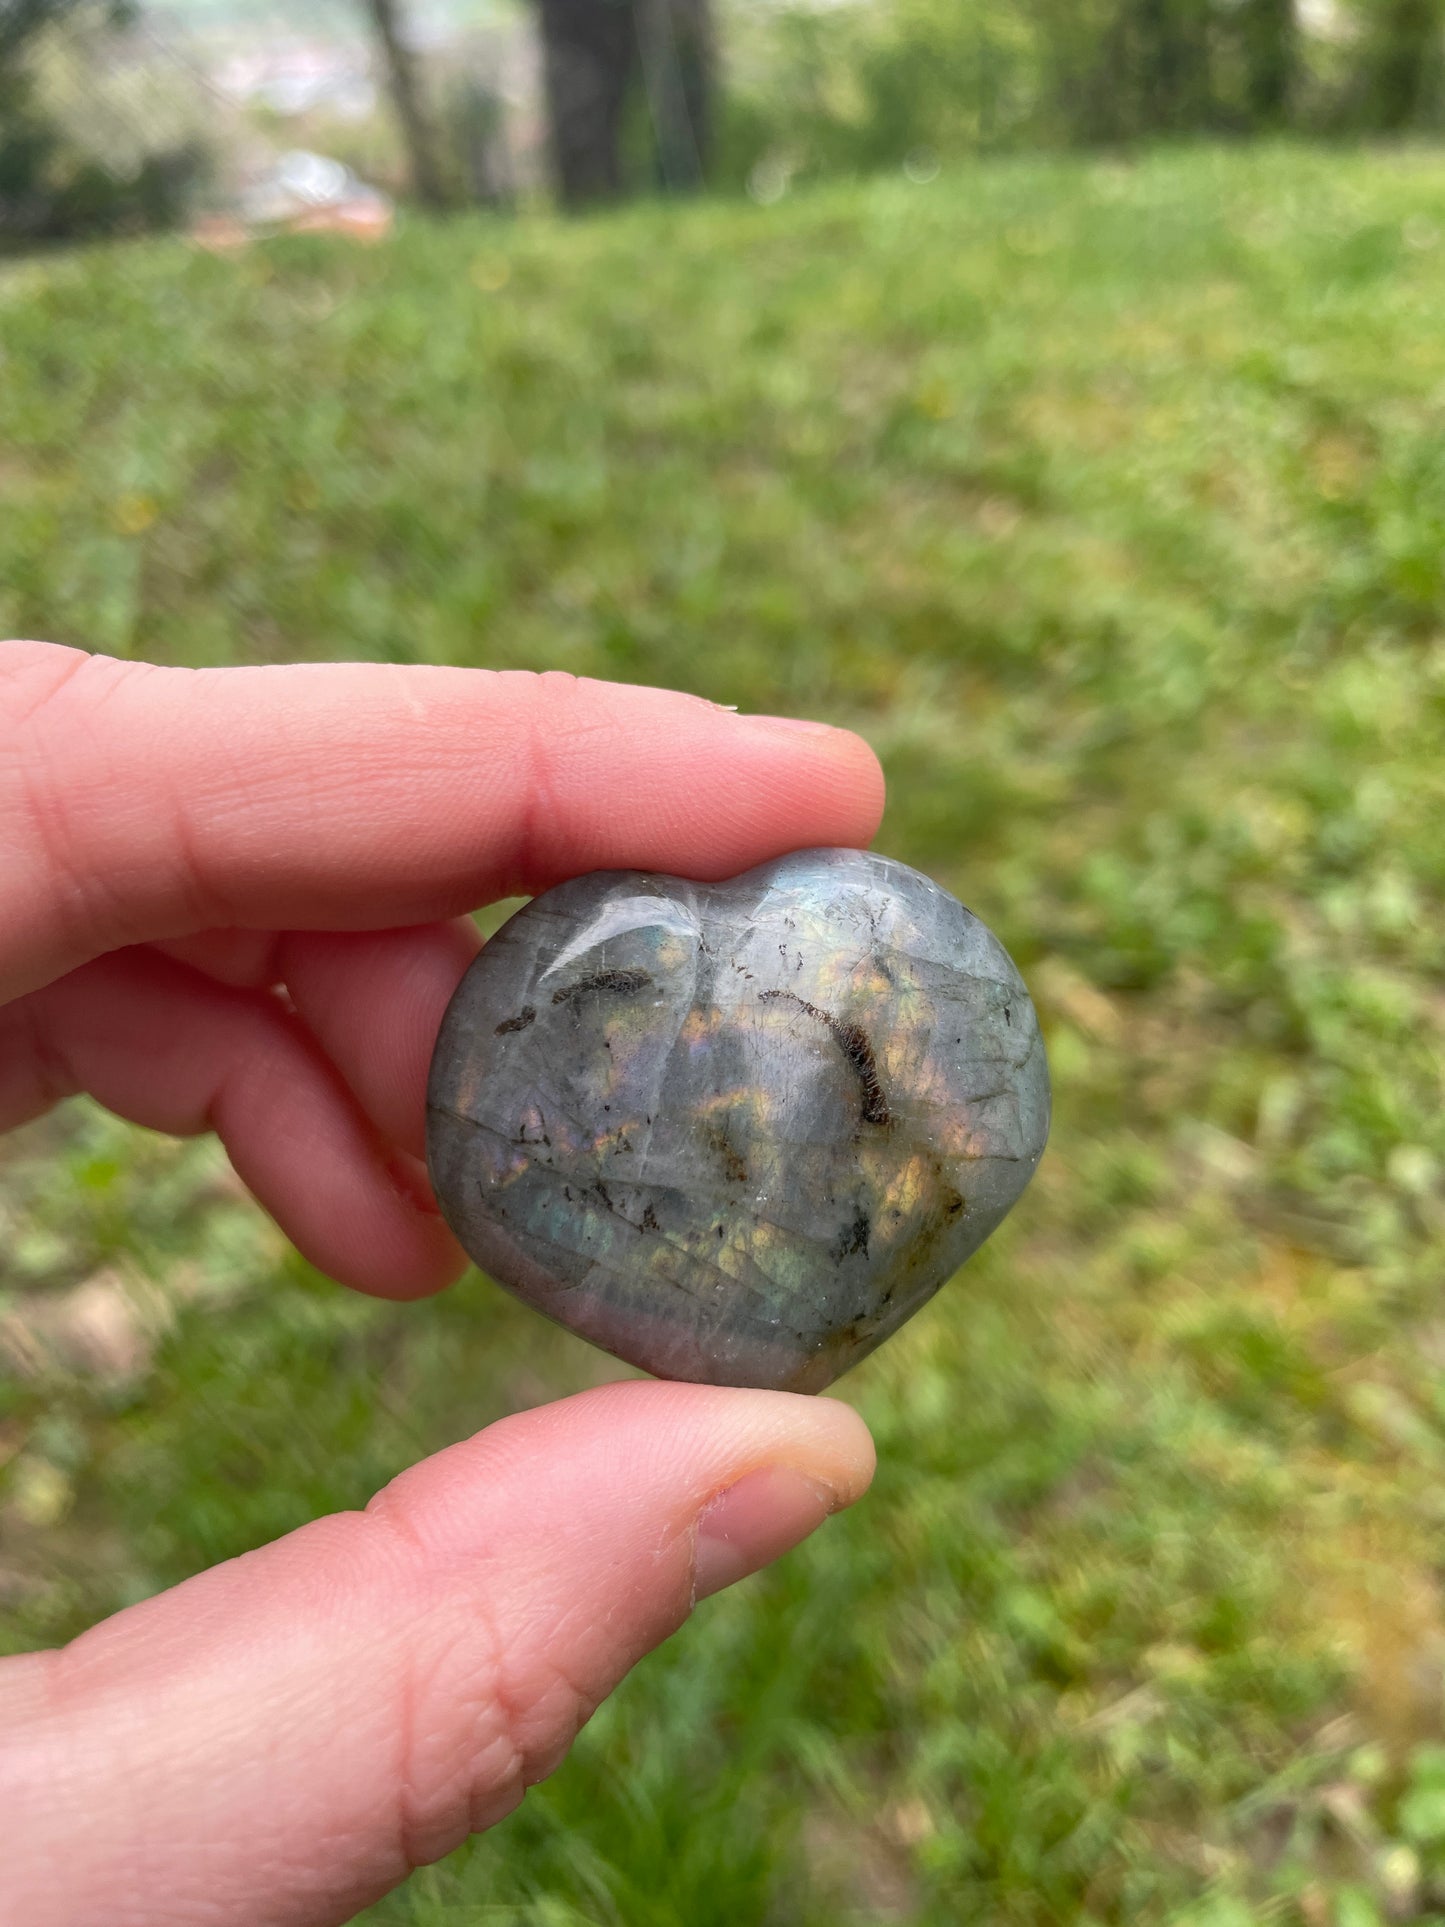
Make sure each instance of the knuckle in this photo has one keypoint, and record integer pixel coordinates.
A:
(68, 774)
(52, 760)
(481, 1714)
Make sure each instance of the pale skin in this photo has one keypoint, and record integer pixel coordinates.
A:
(234, 901)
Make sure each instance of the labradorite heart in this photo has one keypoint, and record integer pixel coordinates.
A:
(737, 1132)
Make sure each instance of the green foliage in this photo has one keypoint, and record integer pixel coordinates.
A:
(1107, 501)
(1399, 80)
(855, 87)
(52, 186)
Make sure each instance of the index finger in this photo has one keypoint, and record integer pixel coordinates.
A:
(143, 803)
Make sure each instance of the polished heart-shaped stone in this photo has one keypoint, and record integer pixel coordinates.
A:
(737, 1132)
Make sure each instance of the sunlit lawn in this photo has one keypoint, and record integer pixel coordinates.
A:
(1109, 502)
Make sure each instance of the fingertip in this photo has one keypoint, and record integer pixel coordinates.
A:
(373, 1000)
(714, 794)
(416, 1256)
(847, 1445)
(830, 784)
(776, 1506)
(822, 1439)
(658, 1426)
(845, 762)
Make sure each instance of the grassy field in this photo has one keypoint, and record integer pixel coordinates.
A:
(1109, 502)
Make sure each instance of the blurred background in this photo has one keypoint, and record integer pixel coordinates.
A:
(229, 115)
(1056, 393)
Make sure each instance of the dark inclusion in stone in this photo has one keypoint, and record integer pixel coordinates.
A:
(737, 1132)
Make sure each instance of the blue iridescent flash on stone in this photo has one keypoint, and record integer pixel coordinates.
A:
(737, 1132)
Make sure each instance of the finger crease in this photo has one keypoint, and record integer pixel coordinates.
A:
(469, 1667)
(55, 1078)
(539, 803)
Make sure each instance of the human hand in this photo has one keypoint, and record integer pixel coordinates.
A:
(229, 901)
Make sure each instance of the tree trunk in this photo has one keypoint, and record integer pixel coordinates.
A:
(1269, 30)
(1401, 58)
(588, 51)
(676, 43)
(1161, 61)
(592, 52)
(427, 180)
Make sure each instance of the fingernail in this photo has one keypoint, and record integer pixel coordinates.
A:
(754, 1522)
(802, 724)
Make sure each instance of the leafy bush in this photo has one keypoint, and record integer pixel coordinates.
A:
(66, 175)
(853, 87)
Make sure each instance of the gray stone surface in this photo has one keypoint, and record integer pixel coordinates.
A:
(737, 1132)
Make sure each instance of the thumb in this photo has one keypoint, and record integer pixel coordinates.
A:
(284, 1738)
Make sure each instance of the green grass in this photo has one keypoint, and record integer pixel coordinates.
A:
(1110, 503)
